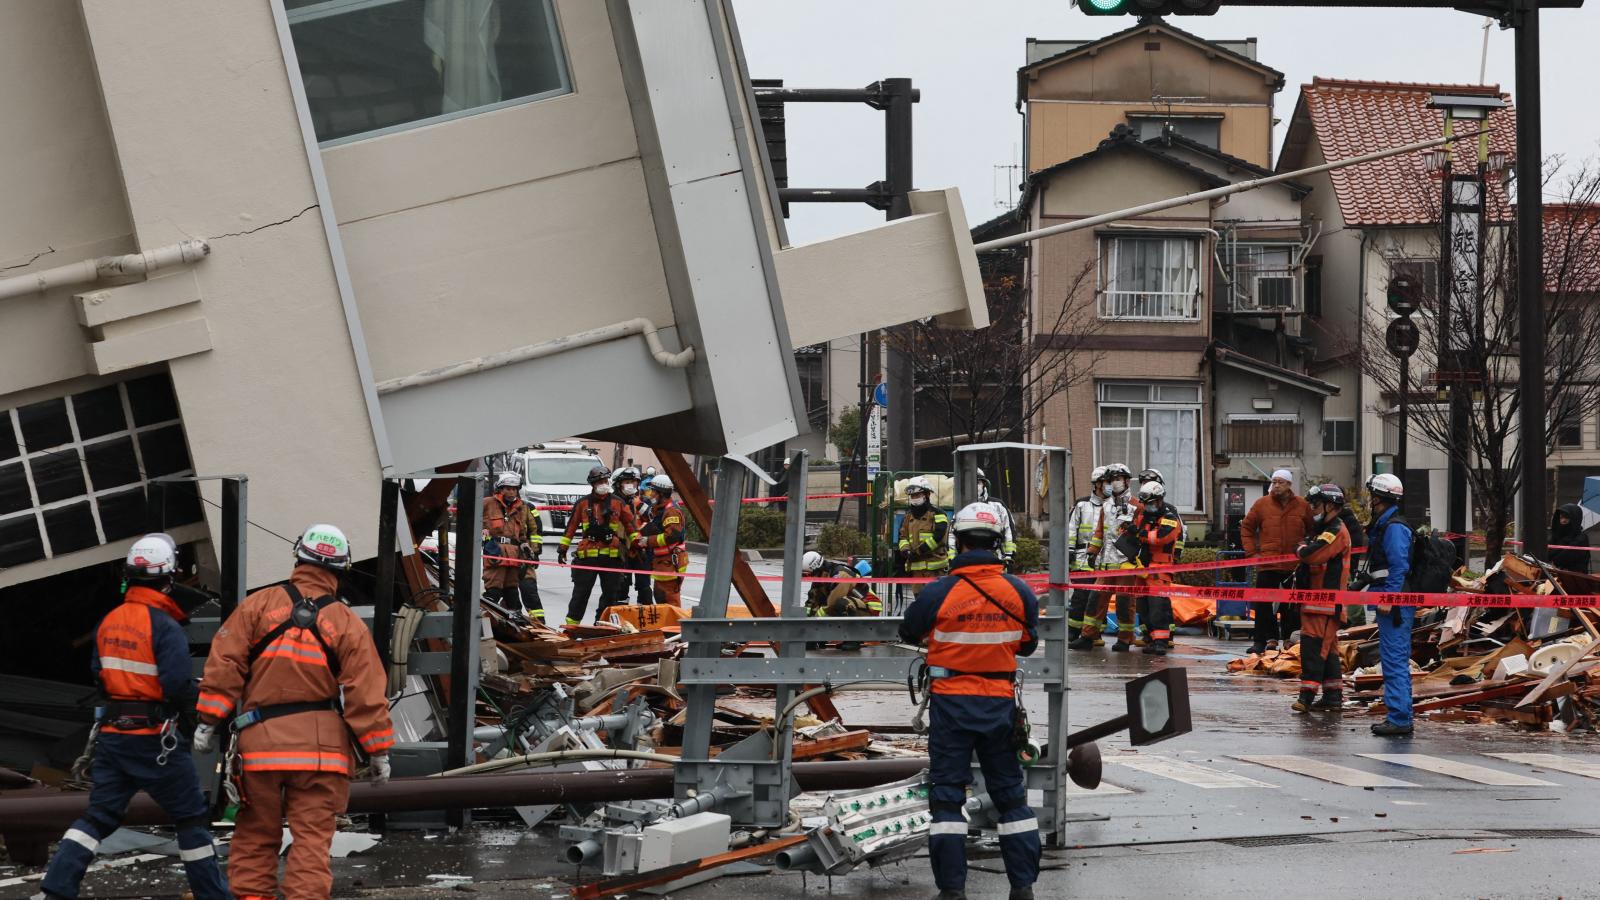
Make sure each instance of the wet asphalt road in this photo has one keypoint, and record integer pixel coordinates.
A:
(1185, 818)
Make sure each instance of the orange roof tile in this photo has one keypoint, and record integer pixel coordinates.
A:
(1572, 247)
(1350, 118)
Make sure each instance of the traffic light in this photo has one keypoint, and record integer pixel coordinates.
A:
(1149, 7)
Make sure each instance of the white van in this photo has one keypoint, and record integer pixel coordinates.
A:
(555, 473)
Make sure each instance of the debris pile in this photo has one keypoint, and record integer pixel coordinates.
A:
(1533, 668)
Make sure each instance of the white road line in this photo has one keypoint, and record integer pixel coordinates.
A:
(1457, 769)
(1553, 762)
(1325, 771)
(1187, 772)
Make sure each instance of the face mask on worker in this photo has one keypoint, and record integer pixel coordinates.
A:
(507, 495)
(1321, 516)
(1119, 485)
(983, 490)
(602, 489)
(629, 489)
(919, 502)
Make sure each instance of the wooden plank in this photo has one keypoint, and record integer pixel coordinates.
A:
(1461, 698)
(1559, 673)
(622, 884)
(839, 743)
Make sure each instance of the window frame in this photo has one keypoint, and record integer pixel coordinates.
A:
(1338, 420)
(1152, 402)
(332, 8)
(1109, 252)
(1566, 408)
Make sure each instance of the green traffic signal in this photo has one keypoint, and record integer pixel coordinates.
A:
(1148, 7)
(1104, 7)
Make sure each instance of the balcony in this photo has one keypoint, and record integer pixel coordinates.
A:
(1259, 278)
(1150, 306)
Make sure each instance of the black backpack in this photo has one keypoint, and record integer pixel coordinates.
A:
(1433, 559)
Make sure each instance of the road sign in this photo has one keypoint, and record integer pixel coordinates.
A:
(874, 441)
(880, 395)
(1402, 337)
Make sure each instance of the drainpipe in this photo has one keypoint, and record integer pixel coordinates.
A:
(89, 271)
(613, 332)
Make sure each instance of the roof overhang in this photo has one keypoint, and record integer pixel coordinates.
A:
(1243, 363)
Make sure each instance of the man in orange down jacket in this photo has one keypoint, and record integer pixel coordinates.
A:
(1324, 566)
(1274, 526)
(279, 667)
(142, 661)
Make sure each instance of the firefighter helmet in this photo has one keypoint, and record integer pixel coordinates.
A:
(1152, 474)
(508, 480)
(1386, 487)
(1098, 474)
(1325, 493)
(661, 484)
(978, 517)
(599, 474)
(1152, 492)
(323, 545)
(153, 557)
(812, 561)
(1118, 470)
(920, 484)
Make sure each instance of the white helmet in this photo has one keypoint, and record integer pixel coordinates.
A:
(1386, 487)
(1152, 474)
(661, 483)
(919, 483)
(1152, 492)
(812, 561)
(1098, 474)
(978, 517)
(323, 545)
(152, 557)
(508, 480)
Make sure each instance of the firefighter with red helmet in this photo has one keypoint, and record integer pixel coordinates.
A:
(977, 620)
(295, 675)
(142, 662)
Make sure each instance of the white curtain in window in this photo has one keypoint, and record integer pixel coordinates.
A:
(462, 35)
(1174, 448)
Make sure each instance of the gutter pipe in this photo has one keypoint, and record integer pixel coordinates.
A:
(89, 271)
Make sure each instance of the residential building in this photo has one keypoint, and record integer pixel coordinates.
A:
(1193, 314)
(318, 243)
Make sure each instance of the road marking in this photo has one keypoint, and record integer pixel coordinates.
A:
(1105, 789)
(1553, 762)
(1456, 769)
(1187, 772)
(1325, 771)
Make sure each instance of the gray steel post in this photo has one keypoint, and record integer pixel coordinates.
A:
(899, 182)
(234, 541)
(700, 699)
(465, 630)
(1530, 278)
(383, 591)
(792, 603)
(1058, 463)
(966, 480)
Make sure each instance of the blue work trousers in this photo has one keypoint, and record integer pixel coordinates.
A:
(1394, 648)
(959, 726)
(125, 764)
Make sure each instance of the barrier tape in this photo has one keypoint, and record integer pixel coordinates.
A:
(778, 578)
(1182, 567)
(782, 499)
(1361, 598)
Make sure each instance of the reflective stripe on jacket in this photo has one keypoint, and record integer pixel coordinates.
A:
(607, 513)
(1326, 558)
(294, 669)
(922, 539)
(141, 652)
(968, 633)
(508, 526)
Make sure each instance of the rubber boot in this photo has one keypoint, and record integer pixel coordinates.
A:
(1084, 642)
(1303, 703)
(1021, 893)
(1387, 728)
(1157, 648)
(1072, 633)
(951, 895)
(1330, 701)
(1122, 645)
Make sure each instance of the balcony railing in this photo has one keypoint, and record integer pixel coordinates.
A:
(1150, 306)
(1270, 437)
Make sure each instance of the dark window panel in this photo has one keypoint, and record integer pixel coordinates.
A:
(122, 515)
(45, 425)
(58, 476)
(164, 451)
(14, 496)
(99, 412)
(111, 463)
(151, 399)
(180, 506)
(70, 528)
(19, 541)
(9, 447)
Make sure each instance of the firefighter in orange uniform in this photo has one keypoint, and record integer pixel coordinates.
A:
(142, 660)
(1324, 566)
(296, 672)
(977, 620)
(608, 527)
(505, 535)
(663, 539)
(1157, 529)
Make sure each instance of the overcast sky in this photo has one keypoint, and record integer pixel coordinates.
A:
(964, 57)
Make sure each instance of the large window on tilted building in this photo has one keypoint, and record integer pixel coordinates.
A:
(371, 67)
(74, 469)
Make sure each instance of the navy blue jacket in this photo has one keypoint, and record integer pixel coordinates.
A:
(923, 612)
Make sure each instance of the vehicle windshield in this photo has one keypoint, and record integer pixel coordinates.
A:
(569, 470)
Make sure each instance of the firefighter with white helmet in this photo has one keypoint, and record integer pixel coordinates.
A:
(923, 548)
(142, 662)
(627, 486)
(1387, 562)
(977, 620)
(1115, 517)
(1082, 523)
(1155, 534)
(509, 532)
(662, 538)
(1008, 539)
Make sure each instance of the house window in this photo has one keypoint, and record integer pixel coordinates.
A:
(1261, 276)
(1150, 278)
(1262, 436)
(1313, 286)
(1201, 131)
(1339, 436)
(1569, 422)
(1153, 425)
(1425, 272)
(73, 470)
(812, 363)
(376, 66)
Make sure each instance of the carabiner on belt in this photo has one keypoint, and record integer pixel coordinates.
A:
(169, 741)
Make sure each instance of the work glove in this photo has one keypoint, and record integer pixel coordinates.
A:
(526, 551)
(380, 769)
(205, 738)
(561, 555)
(1360, 581)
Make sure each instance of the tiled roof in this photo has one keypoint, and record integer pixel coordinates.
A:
(1122, 139)
(1572, 247)
(1350, 118)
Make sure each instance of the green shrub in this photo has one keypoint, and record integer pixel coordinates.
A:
(842, 542)
(1204, 577)
(761, 528)
(1029, 556)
